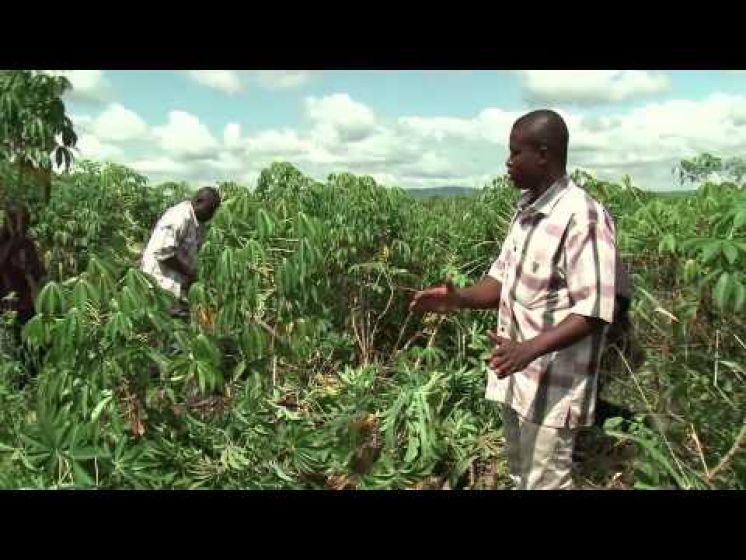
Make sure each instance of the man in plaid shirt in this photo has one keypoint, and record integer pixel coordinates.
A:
(553, 285)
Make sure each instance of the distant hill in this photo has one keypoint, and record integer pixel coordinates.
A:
(674, 194)
(454, 190)
(450, 190)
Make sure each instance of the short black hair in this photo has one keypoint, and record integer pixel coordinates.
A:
(210, 192)
(15, 210)
(548, 129)
(14, 214)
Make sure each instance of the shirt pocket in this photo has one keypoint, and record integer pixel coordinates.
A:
(532, 286)
(542, 276)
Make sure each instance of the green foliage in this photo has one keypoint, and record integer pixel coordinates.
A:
(300, 366)
(35, 132)
(703, 166)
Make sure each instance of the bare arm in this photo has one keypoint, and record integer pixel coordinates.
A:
(568, 332)
(483, 295)
(447, 298)
(510, 356)
(179, 265)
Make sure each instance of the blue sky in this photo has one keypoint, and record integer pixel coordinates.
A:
(409, 128)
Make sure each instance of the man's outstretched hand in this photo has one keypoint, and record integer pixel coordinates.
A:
(440, 299)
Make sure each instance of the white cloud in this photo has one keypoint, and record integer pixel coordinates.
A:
(339, 117)
(490, 125)
(282, 79)
(235, 81)
(185, 137)
(277, 143)
(119, 124)
(232, 136)
(227, 164)
(439, 128)
(90, 147)
(227, 81)
(435, 166)
(384, 144)
(646, 142)
(610, 145)
(343, 134)
(678, 128)
(162, 165)
(87, 85)
(495, 124)
(587, 87)
(438, 150)
(82, 122)
(99, 137)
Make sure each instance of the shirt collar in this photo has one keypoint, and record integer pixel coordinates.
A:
(548, 199)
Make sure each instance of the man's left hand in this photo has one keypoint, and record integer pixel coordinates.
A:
(509, 356)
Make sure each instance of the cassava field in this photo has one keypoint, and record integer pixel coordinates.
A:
(301, 367)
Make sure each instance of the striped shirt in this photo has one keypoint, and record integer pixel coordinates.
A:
(177, 232)
(558, 258)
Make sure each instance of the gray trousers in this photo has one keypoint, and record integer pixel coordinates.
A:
(539, 457)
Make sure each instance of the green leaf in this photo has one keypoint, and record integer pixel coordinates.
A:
(6, 448)
(239, 369)
(35, 443)
(69, 138)
(265, 224)
(282, 474)
(86, 454)
(720, 293)
(50, 301)
(81, 476)
(739, 219)
(709, 250)
(201, 378)
(690, 270)
(100, 407)
(613, 423)
(661, 459)
(412, 449)
(731, 252)
(34, 330)
(739, 296)
(667, 244)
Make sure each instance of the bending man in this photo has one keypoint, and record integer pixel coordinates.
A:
(171, 253)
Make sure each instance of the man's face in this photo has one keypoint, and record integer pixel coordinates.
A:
(18, 223)
(205, 207)
(526, 163)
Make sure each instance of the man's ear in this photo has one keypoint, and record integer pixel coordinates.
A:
(543, 151)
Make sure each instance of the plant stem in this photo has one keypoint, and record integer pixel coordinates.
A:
(738, 445)
(699, 448)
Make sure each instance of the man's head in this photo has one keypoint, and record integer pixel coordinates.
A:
(205, 203)
(538, 149)
(17, 220)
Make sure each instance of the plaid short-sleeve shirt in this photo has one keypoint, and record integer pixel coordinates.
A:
(558, 258)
